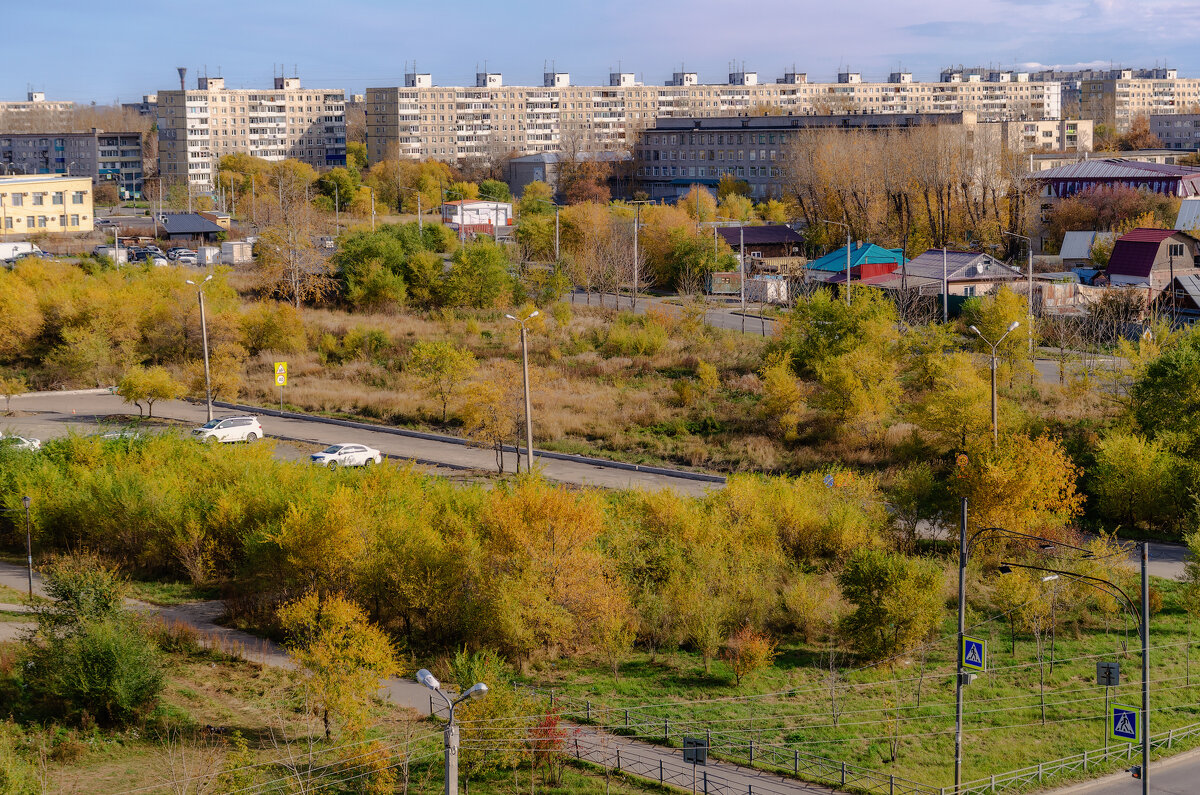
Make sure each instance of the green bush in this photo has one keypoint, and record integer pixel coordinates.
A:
(633, 335)
(107, 669)
(18, 776)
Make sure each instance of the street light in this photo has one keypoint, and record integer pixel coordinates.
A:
(204, 337)
(477, 690)
(839, 223)
(525, 381)
(965, 543)
(993, 345)
(1143, 617)
(400, 206)
(1029, 247)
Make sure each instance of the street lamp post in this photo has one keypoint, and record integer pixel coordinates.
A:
(28, 543)
(400, 205)
(993, 346)
(1143, 617)
(1029, 248)
(965, 543)
(525, 382)
(204, 338)
(839, 223)
(477, 690)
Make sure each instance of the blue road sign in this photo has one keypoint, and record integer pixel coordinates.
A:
(974, 654)
(1123, 723)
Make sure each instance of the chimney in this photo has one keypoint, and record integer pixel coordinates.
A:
(182, 77)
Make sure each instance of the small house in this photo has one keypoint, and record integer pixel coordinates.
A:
(1153, 258)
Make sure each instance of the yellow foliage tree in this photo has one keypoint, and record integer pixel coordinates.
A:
(346, 658)
(148, 385)
(782, 395)
(747, 651)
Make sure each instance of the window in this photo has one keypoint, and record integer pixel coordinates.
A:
(58, 197)
(1175, 250)
(8, 222)
(39, 198)
(29, 221)
(18, 199)
(74, 220)
(77, 197)
(62, 220)
(41, 221)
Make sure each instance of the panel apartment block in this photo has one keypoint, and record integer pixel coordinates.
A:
(422, 121)
(197, 127)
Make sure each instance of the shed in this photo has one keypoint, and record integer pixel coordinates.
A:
(189, 226)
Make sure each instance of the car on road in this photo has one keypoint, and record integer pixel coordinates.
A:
(186, 258)
(347, 454)
(229, 429)
(19, 442)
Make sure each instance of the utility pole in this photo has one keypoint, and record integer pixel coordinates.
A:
(962, 629)
(1145, 670)
(637, 222)
(1029, 319)
(945, 290)
(204, 339)
(742, 268)
(993, 346)
(28, 543)
(525, 384)
(337, 211)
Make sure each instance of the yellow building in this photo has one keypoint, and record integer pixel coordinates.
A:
(45, 203)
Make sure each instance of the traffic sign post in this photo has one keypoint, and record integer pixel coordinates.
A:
(1123, 723)
(973, 654)
(281, 380)
(1108, 674)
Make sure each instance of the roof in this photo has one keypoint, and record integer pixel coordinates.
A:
(1113, 168)
(189, 224)
(859, 255)
(19, 179)
(960, 266)
(553, 157)
(1189, 285)
(1134, 253)
(759, 235)
(485, 202)
(1189, 214)
(1078, 245)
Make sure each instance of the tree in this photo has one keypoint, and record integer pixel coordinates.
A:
(737, 207)
(356, 156)
(443, 368)
(340, 185)
(10, 387)
(897, 601)
(20, 317)
(345, 655)
(730, 185)
(747, 651)
(1136, 481)
(478, 276)
(142, 385)
(536, 198)
(494, 190)
(992, 315)
(1026, 485)
(486, 419)
(699, 204)
(584, 181)
(1166, 398)
(955, 406)
(227, 363)
(1139, 136)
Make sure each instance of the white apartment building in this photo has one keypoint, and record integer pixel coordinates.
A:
(422, 121)
(35, 114)
(1125, 94)
(197, 127)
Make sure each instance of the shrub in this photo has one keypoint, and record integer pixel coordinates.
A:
(748, 650)
(18, 776)
(632, 335)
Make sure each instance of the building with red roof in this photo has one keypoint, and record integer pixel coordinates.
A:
(1153, 258)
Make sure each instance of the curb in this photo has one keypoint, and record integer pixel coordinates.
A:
(600, 463)
(108, 390)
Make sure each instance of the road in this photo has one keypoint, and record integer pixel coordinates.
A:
(54, 415)
(641, 759)
(1176, 775)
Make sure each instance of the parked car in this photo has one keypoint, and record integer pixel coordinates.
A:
(347, 455)
(186, 258)
(154, 259)
(229, 429)
(20, 442)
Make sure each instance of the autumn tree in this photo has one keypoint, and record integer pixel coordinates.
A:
(954, 406)
(1139, 136)
(147, 385)
(486, 419)
(897, 601)
(10, 387)
(346, 658)
(478, 276)
(20, 316)
(748, 651)
(227, 363)
(699, 204)
(993, 315)
(442, 368)
(1137, 481)
(287, 260)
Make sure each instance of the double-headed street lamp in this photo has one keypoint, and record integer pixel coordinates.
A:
(525, 381)
(965, 544)
(993, 345)
(477, 690)
(1029, 245)
(1143, 617)
(204, 338)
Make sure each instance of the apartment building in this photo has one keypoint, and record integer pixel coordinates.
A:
(422, 121)
(35, 113)
(50, 203)
(147, 107)
(1053, 135)
(115, 156)
(1178, 130)
(1124, 94)
(197, 127)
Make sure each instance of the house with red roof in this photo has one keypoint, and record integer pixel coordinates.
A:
(1153, 258)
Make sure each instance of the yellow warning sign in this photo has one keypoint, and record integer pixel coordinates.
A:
(280, 373)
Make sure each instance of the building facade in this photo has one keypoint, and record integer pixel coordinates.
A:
(1174, 180)
(422, 121)
(197, 127)
(41, 204)
(115, 156)
(1177, 130)
(35, 113)
(1123, 95)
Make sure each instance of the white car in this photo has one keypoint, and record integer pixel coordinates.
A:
(347, 455)
(229, 429)
(20, 442)
(186, 258)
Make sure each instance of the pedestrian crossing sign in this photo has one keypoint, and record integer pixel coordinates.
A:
(280, 373)
(1123, 723)
(974, 654)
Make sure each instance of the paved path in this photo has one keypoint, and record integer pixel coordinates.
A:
(641, 759)
(54, 415)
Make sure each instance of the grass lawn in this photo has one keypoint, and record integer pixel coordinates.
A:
(11, 596)
(898, 718)
(170, 593)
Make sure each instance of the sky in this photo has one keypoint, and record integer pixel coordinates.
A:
(85, 51)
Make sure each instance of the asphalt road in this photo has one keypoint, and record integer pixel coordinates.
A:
(1176, 775)
(53, 415)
